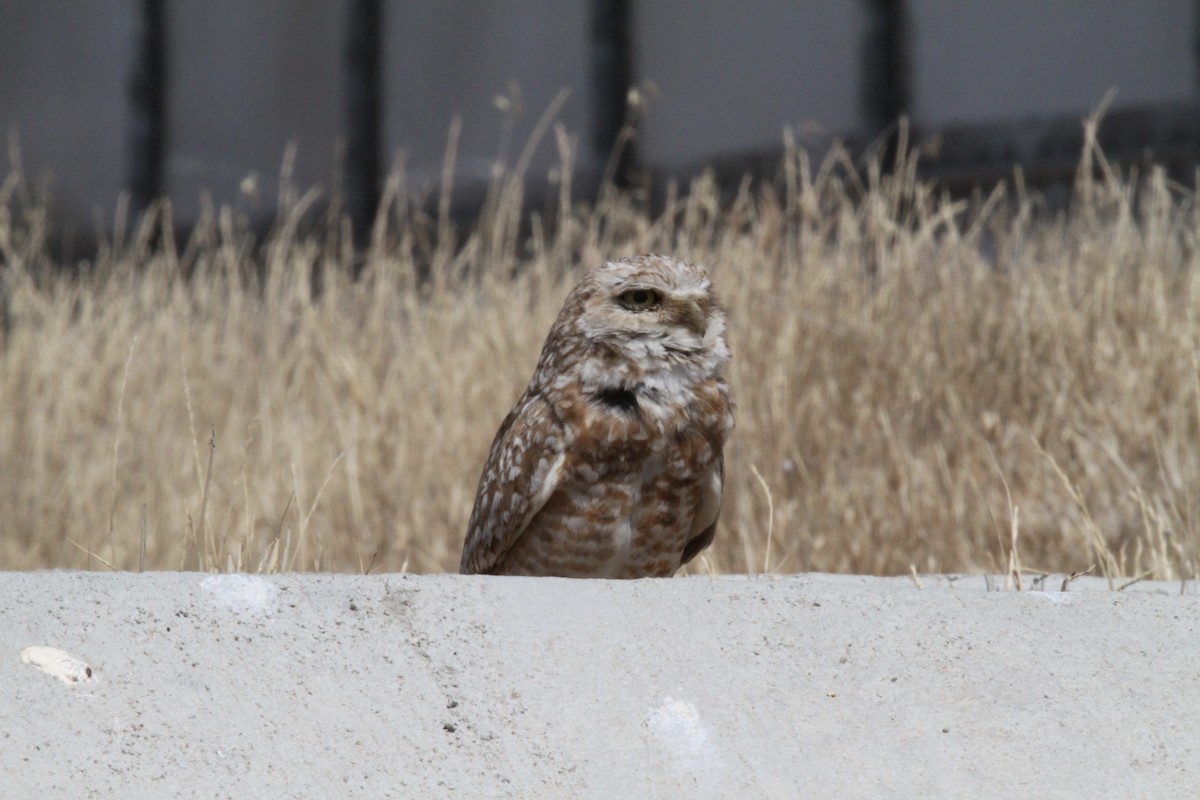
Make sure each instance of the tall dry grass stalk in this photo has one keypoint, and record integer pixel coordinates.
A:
(919, 379)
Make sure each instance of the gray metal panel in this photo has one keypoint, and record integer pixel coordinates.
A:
(244, 81)
(63, 73)
(455, 58)
(729, 78)
(985, 61)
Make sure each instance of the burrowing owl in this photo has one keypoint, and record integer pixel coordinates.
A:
(610, 464)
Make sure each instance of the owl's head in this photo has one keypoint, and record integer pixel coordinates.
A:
(654, 306)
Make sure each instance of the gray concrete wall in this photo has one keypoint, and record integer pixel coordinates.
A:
(172, 685)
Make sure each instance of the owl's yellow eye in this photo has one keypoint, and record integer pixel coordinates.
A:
(639, 299)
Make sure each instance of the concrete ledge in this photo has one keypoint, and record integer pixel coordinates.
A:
(407, 686)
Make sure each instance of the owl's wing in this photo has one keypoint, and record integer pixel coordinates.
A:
(708, 509)
(523, 469)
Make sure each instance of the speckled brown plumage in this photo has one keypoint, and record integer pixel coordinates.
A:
(610, 464)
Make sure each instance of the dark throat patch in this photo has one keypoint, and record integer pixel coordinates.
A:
(619, 398)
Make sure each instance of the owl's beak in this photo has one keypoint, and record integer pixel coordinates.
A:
(693, 315)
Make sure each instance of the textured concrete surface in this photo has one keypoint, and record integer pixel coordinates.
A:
(187, 685)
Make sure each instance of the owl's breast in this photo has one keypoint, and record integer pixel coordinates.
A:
(625, 508)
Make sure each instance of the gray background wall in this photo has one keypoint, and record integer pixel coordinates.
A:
(243, 80)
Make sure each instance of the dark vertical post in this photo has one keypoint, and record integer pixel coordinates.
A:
(612, 77)
(1195, 44)
(1195, 78)
(147, 101)
(1195, 72)
(886, 93)
(363, 64)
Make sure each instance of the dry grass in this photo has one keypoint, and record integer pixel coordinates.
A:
(923, 384)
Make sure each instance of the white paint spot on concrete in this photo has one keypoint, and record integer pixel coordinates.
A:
(1057, 598)
(59, 663)
(244, 594)
(677, 726)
